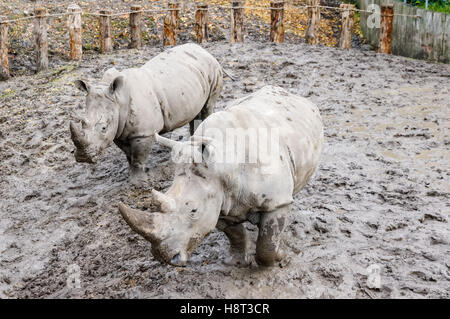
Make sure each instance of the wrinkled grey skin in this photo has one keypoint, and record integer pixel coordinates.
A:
(210, 193)
(174, 88)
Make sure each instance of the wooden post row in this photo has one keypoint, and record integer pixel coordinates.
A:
(387, 25)
(171, 24)
(277, 23)
(237, 22)
(74, 22)
(347, 16)
(41, 40)
(135, 27)
(201, 23)
(106, 42)
(4, 62)
(313, 22)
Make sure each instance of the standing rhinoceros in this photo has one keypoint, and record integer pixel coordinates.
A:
(211, 188)
(176, 87)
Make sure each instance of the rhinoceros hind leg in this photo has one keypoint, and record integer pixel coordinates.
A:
(239, 245)
(208, 108)
(268, 245)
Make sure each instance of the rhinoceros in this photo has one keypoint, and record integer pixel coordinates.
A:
(178, 86)
(213, 189)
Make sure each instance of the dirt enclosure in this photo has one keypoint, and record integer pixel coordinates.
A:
(377, 203)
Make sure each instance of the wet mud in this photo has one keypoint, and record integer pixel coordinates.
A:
(379, 199)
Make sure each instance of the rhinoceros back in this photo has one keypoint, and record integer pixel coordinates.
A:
(183, 78)
(297, 123)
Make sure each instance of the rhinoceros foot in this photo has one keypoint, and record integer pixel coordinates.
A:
(238, 259)
(139, 179)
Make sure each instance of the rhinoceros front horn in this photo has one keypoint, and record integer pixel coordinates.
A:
(77, 136)
(139, 221)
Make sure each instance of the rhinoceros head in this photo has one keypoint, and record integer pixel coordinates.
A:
(187, 212)
(100, 125)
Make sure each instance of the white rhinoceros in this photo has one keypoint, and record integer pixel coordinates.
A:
(176, 87)
(212, 188)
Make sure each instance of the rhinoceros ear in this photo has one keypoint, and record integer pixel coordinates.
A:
(116, 85)
(205, 145)
(82, 85)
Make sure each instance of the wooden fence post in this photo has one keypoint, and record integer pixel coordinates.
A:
(74, 22)
(135, 27)
(313, 22)
(41, 40)
(237, 22)
(106, 43)
(277, 24)
(4, 62)
(387, 25)
(347, 15)
(201, 23)
(171, 24)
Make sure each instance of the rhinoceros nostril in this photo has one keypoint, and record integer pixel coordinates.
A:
(176, 260)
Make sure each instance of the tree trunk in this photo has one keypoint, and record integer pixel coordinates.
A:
(171, 25)
(74, 22)
(237, 22)
(135, 27)
(387, 25)
(347, 14)
(313, 22)
(277, 24)
(40, 37)
(4, 61)
(201, 23)
(106, 43)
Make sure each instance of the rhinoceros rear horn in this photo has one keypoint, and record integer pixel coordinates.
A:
(139, 221)
(78, 137)
(166, 203)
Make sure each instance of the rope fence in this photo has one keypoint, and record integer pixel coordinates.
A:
(171, 26)
(305, 7)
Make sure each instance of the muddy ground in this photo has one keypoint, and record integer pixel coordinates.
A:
(379, 198)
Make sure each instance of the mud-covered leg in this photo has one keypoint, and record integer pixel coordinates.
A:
(239, 244)
(139, 150)
(271, 227)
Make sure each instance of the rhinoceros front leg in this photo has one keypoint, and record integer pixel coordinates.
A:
(268, 245)
(239, 244)
(137, 158)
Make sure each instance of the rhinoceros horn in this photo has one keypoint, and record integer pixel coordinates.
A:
(166, 203)
(141, 222)
(166, 141)
(77, 136)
